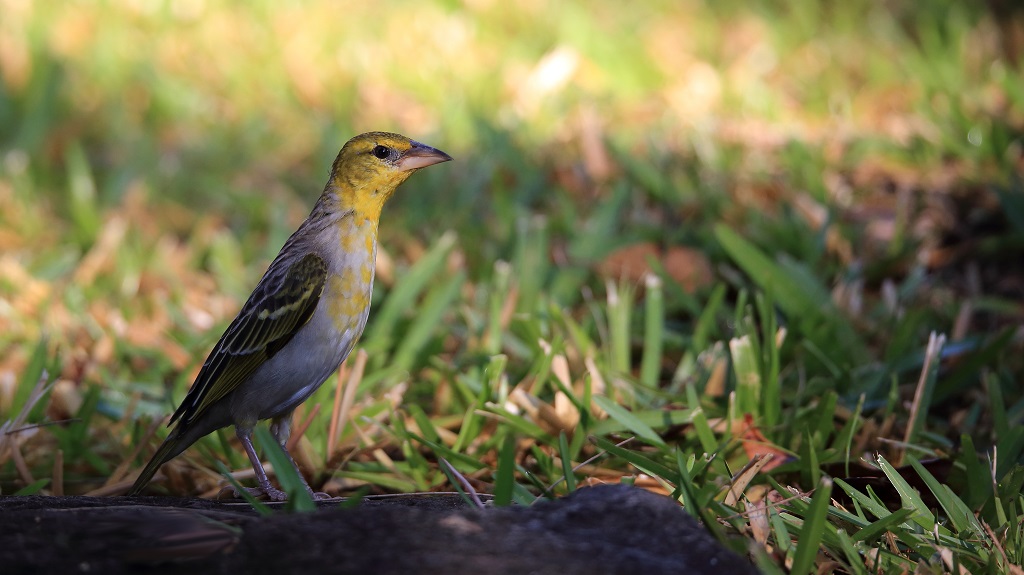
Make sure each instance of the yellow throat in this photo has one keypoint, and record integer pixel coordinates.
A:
(366, 173)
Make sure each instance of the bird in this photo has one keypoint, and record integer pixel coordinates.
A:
(304, 316)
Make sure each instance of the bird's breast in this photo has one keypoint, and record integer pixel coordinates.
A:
(350, 278)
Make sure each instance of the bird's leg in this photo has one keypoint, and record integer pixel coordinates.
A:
(281, 429)
(265, 488)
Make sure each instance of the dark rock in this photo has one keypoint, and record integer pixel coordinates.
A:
(608, 529)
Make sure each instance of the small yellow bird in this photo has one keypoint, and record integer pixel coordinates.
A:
(305, 315)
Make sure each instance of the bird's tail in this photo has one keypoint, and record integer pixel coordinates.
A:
(167, 450)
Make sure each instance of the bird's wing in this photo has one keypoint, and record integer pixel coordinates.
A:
(283, 302)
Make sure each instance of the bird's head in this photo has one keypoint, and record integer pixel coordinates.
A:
(370, 166)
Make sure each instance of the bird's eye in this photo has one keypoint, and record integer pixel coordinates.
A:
(381, 152)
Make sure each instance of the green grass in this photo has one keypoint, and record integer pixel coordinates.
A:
(815, 190)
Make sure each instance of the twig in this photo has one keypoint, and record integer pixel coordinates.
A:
(742, 478)
(332, 431)
(588, 461)
(121, 469)
(465, 484)
(41, 424)
(294, 439)
(340, 414)
(931, 356)
(19, 463)
(768, 504)
(8, 439)
(57, 484)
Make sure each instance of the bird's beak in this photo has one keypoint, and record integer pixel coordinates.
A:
(421, 156)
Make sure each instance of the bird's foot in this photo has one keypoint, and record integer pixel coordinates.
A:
(269, 492)
(275, 494)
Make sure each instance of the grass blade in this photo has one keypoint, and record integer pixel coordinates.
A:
(566, 456)
(813, 529)
(632, 423)
(504, 478)
(654, 331)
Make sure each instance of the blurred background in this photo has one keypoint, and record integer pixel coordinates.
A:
(859, 162)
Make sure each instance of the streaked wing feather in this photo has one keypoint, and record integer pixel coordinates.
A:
(281, 304)
(230, 371)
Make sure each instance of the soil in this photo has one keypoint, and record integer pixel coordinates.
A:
(606, 529)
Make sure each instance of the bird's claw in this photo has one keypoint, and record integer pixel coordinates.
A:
(270, 493)
(274, 494)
